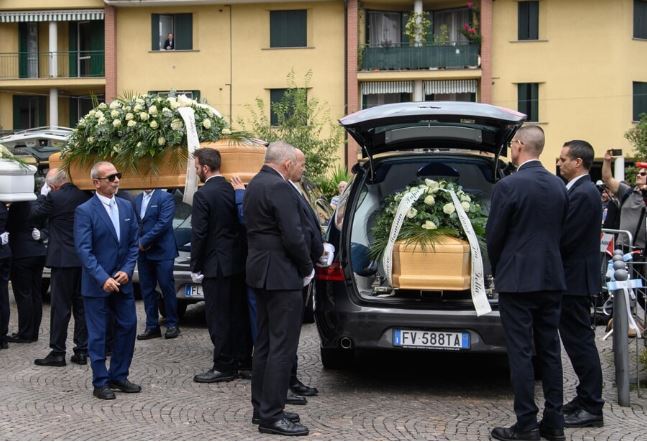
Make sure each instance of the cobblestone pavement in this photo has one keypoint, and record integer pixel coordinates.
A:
(434, 396)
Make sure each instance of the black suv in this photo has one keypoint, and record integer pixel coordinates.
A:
(401, 143)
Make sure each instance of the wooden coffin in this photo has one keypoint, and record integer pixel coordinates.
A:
(16, 181)
(242, 158)
(446, 266)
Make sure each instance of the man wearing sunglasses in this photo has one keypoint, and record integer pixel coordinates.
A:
(632, 203)
(107, 242)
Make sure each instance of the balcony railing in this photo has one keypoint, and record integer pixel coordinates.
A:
(406, 57)
(47, 65)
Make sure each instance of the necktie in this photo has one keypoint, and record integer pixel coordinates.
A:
(114, 216)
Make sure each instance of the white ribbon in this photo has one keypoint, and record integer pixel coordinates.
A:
(479, 298)
(193, 143)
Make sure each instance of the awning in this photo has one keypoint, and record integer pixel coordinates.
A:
(386, 87)
(61, 15)
(449, 86)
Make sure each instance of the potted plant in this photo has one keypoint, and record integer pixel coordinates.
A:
(430, 236)
(417, 28)
(16, 178)
(146, 137)
(471, 30)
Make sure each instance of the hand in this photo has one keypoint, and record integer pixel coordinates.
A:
(35, 234)
(236, 183)
(111, 285)
(329, 253)
(45, 189)
(4, 238)
(308, 278)
(197, 277)
(121, 277)
(607, 155)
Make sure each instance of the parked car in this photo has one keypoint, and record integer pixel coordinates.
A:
(401, 143)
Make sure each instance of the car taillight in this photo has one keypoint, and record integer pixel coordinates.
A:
(333, 272)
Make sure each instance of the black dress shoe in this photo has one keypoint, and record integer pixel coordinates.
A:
(293, 417)
(581, 418)
(79, 358)
(302, 389)
(172, 332)
(214, 375)
(245, 373)
(104, 393)
(52, 360)
(572, 406)
(284, 427)
(549, 433)
(4, 345)
(511, 433)
(15, 338)
(295, 399)
(125, 386)
(150, 333)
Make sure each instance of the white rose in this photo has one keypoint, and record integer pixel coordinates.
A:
(140, 101)
(127, 109)
(92, 113)
(143, 116)
(114, 114)
(466, 206)
(466, 198)
(206, 123)
(102, 120)
(429, 200)
(429, 225)
(90, 140)
(152, 110)
(116, 123)
(98, 114)
(412, 212)
(226, 132)
(129, 116)
(176, 124)
(432, 186)
(138, 108)
(167, 111)
(115, 105)
(103, 106)
(116, 148)
(449, 208)
(174, 104)
(184, 101)
(161, 141)
(132, 123)
(153, 124)
(139, 144)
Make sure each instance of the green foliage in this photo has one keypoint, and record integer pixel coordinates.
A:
(302, 122)
(417, 27)
(442, 38)
(637, 136)
(431, 216)
(328, 185)
(136, 127)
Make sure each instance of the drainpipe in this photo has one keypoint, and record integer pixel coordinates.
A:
(418, 94)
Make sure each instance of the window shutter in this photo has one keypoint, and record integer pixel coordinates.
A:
(640, 99)
(528, 19)
(640, 19)
(289, 29)
(97, 46)
(74, 111)
(23, 35)
(183, 31)
(72, 46)
(155, 25)
(41, 109)
(534, 102)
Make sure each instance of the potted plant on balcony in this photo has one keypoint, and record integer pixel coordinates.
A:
(471, 30)
(420, 228)
(146, 136)
(16, 178)
(417, 28)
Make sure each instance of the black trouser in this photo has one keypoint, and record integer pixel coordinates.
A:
(295, 366)
(225, 305)
(67, 301)
(579, 341)
(526, 316)
(278, 315)
(26, 281)
(5, 266)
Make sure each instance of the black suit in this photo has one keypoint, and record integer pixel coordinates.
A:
(28, 260)
(58, 208)
(5, 266)
(524, 230)
(277, 261)
(581, 253)
(216, 253)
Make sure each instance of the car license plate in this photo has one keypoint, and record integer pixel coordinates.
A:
(193, 290)
(445, 340)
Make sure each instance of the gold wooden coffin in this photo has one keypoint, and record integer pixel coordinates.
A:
(446, 266)
(243, 159)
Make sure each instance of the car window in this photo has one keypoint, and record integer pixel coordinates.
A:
(182, 222)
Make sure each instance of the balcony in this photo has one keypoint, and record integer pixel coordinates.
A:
(405, 57)
(49, 65)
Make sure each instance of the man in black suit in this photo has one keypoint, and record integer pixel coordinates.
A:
(216, 261)
(581, 254)
(312, 234)
(5, 267)
(58, 208)
(27, 262)
(278, 267)
(524, 229)
(169, 43)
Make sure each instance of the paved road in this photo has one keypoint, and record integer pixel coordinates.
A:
(436, 396)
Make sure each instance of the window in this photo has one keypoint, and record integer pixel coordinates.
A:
(81, 105)
(528, 20)
(289, 29)
(371, 100)
(640, 18)
(640, 99)
(286, 104)
(528, 100)
(180, 25)
(194, 94)
(453, 20)
(457, 96)
(29, 111)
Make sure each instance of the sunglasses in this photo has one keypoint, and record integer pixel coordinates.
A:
(642, 173)
(111, 177)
